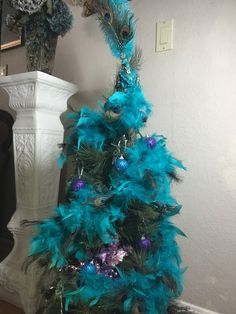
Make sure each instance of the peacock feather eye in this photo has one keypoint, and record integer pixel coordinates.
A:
(125, 32)
(119, 7)
(107, 15)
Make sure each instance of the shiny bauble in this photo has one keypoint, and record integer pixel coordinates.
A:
(77, 184)
(121, 164)
(144, 244)
(151, 142)
(89, 269)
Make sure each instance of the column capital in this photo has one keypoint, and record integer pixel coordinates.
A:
(37, 90)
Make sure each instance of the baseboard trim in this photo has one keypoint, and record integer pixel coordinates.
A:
(197, 309)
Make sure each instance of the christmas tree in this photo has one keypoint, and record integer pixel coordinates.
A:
(112, 246)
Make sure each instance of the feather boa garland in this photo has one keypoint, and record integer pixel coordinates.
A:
(97, 214)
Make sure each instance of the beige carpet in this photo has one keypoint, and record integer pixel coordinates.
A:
(6, 308)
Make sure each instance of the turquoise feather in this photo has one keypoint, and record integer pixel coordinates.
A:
(147, 179)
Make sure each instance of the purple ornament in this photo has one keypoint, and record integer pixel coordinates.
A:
(116, 257)
(77, 184)
(109, 257)
(121, 164)
(144, 243)
(103, 256)
(151, 142)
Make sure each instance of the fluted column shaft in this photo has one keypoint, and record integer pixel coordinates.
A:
(38, 99)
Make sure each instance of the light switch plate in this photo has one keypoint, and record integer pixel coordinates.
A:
(164, 35)
(3, 70)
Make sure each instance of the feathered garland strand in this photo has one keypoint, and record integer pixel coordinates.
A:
(112, 243)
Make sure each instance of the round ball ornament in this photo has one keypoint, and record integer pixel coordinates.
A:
(77, 184)
(151, 142)
(121, 164)
(144, 244)
(89, 269)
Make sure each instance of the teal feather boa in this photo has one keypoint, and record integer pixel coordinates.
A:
(80, 224)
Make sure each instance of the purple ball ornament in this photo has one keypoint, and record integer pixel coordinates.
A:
(144, 243)
(151, 142)
(121, 164)
(77, 184)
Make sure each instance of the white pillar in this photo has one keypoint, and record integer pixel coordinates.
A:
(38, 99)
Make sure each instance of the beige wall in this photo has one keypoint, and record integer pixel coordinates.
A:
(193, 89)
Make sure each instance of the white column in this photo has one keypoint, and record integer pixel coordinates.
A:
(38, 99)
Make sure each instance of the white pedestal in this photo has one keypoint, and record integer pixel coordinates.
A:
(38, 99)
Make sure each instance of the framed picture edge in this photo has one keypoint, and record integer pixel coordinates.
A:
(9, 39)
(12, 44)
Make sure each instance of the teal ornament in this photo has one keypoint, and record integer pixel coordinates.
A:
(121, 164)
(89, 269)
